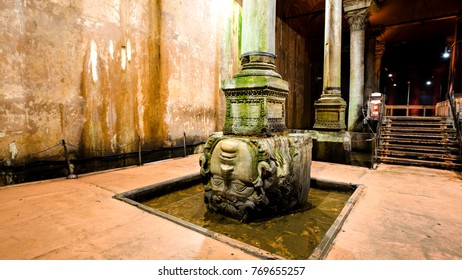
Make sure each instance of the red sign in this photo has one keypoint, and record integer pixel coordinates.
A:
(375, 111)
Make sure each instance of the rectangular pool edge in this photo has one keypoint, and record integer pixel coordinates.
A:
(132, 197)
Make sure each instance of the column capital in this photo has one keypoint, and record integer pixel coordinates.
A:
(357, 19)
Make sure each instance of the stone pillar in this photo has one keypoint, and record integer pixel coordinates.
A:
(255, 97)
(330, 107)
(455, 68)
(255, 167)
(379, 51)
(371, 83)
(258, 28)
(356, 13)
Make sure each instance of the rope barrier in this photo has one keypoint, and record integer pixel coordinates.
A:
(109, 154)
(47, 149)
(139, 142)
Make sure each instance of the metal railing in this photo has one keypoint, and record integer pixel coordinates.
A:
(390, 108)
(376, 141)
(455, 118)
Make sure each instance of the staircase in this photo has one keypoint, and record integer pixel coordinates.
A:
(422, 141)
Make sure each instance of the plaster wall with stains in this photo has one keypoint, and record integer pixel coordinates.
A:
(100, 74)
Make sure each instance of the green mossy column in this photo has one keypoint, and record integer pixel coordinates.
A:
(255, 96)
(258, 27)
(255, 167)
(331, 142)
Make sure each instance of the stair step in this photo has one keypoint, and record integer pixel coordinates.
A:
(416, 118)
(417, 124)
(418, 155)
(440, 149)
(416, 135)
(420, 129)
(423, 141)
(449, 165)
(387, 140)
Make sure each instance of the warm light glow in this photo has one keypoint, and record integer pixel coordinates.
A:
(129, 50)
(93, 60)
(123, 58)
(111, 49)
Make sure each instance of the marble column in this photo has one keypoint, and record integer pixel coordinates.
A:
(357, 20)
(330, 107)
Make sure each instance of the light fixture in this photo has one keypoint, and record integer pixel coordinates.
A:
(390, 75)
(446, 53)
(429, 83)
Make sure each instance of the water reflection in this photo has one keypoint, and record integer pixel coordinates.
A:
(293, 235)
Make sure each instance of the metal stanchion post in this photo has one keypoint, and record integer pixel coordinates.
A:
(372, 152)
(140, 162)
(69, 166)
(184, 143)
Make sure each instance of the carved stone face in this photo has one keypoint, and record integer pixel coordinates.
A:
(233, 168)
(246, 177)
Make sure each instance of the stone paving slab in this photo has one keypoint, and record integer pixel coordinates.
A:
(79, 219)
(405, 213)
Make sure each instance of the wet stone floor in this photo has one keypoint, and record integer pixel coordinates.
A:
(291, 236)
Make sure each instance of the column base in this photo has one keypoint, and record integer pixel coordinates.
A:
(330, 113)
(255, 100)
(331, 146)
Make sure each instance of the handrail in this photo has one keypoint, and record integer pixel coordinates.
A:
(379, 129)
(455, 118)
(390, 108)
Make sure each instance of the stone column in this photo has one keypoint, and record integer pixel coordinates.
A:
(255, 167)
(258, 28)
(330, 107)
(371, 83)
(255, 97)
(357, 14)
(379, 51)
(455, 68)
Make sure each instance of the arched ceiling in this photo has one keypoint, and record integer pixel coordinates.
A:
(400, 19)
